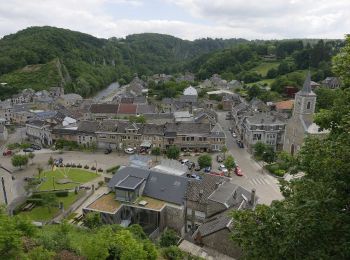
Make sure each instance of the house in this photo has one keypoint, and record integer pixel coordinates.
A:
(71, 99)
(102, 111)
(126, 110)
(152, 135)
(290, 91)
(154, 200)
(190, 91)
(263, 127)
(183, 116)
(301, 124)
(86, 133)
(284, 106)
(39, 132)
(25, 96)
(331, 82)
(209, 202)
(7, 189)
(3, 133)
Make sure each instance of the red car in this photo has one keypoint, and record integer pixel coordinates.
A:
(7, 152)
(217, 173)
(238, 171)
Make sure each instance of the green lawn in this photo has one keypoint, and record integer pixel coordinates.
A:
(76, 175)
(41, 213)
(264, 67)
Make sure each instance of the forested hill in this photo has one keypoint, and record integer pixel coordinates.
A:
(92, 63)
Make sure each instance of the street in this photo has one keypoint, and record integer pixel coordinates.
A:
(267, 188)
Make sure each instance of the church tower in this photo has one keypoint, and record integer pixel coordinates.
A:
(302, 118)
(305, 101)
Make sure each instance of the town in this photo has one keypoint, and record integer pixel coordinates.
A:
(172, 164)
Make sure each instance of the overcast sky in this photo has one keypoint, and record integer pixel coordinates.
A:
(187, 19)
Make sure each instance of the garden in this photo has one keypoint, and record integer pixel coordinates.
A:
(45, 206)
(62, 178)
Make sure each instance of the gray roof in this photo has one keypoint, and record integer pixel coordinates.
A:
(264, 119)
(200, 190)
(187, 128)
(215, 224)
(166, 187)
(145, 109)
(88, 126)
(153, 129)
(129, 182)
(233, 196)
(124, 172)
(38, 123)
(104, 108)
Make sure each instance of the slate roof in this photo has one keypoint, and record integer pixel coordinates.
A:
(215, 224)
(199, 190)
(153, 129)
(125, 172)
(145, 109)
(217, 132)
(307, 90)
(166, 187)
(88, 126)
(161, 186)
(187, 128)
(264, 119)
(127, 109)
(104, 108)
(38, 123)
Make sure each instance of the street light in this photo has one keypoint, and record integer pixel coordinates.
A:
(96, 166)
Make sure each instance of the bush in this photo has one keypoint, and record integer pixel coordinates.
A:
(100, 170)
(79, 166)
(113, 169)
(100, 183)
(168, 238)
(86, 167)
(276, 169)
(173, 253)
(62, 194)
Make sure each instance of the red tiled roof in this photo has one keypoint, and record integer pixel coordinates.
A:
(285, 105)
(127, 109)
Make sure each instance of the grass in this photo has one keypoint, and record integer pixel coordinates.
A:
(264, 67)
(262, 82)
(42, 213)
(76, 175)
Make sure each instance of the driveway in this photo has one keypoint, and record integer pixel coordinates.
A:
(267, 186)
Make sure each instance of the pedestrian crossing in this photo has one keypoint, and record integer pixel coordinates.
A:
(258, 181)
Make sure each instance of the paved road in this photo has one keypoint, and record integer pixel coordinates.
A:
(266, 186)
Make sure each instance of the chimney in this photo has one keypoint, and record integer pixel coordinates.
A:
(252, 197)
(201, 193)
(217, 185)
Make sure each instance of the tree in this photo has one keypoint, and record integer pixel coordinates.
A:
(224, 150)
(259, 149)
(173, 152)
(50, 161)
(49, 200)
(229, 163)
(40, 170)
(341, 63)
(173, 253)
(204, 160)
(31, 156)
(92, 220)
(168, 238)
(156, 152)
(312, 222)
(269, 154)
(19, 160)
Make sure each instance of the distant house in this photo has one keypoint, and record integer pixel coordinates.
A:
(71, 99)
(331, 82)
(284, 106)
(102, 111)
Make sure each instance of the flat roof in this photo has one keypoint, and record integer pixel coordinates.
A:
(106, 203)
(151, 203)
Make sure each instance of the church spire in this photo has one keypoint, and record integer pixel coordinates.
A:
(307, 84)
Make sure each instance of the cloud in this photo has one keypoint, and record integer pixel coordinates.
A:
(250, 19)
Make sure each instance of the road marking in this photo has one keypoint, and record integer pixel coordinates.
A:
(258, 181)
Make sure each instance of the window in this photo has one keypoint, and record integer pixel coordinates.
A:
(183, 138)
(256, 137)
(308, 105)
(192, 138)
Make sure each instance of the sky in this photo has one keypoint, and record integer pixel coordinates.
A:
(186, 19)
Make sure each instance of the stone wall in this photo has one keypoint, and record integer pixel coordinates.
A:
(175, 218)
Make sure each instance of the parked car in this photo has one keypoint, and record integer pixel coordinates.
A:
(58, 161)
(223, 169)
(129, 150)
(35, 147)
(197, 168)
(207, 169)
(183, 161)
(108, 151)
(7, 153)
(219, 158)
(238, 171)
(240, 144)
(190, 165)
(217, 173)
(28, 150)
(234, 135)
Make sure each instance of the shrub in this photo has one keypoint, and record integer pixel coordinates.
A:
(100, 170)
(100, 183)
(113, 169)
(86, 167)
(79, 166)
(276, 169)
(168, 238)
(62, 193)
(173, 253)
(93, 168)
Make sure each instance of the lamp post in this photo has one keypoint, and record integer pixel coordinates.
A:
(96, 166)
